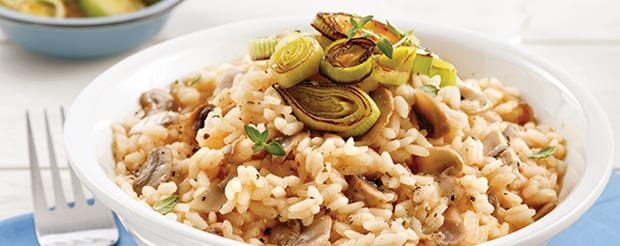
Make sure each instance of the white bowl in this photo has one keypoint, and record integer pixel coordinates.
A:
(557, 100)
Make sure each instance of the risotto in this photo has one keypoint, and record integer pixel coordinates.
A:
(352, 135)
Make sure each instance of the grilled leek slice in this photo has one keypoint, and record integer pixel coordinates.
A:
(430, 64)
(422, 62)
(296, 61)
(445, 70)
(335, 26)
(342, 109)
(395, 71)
(262, 48)
(348, 61)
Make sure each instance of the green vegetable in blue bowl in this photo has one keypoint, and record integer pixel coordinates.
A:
(80, 29)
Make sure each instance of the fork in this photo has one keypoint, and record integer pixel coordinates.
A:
(79, 223)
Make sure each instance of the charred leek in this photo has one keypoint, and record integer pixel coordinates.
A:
(445, 70)
(395, 71)
(368, 84)
(348, 61)
(429, 64)
(336, 25)
(262, 48)
(341, 109)
(296, 61)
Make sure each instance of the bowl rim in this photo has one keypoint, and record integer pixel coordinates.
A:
(154, 10)
(535, 233)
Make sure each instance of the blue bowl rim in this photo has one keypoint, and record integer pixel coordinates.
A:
(150, 11)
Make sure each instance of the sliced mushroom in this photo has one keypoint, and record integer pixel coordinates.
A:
(284, 233)
(193, 122)
(360, 189)
(470, 94)
(544, 210)
(493, 200)
(164, 119)
(430, 115)
(494, 143)
(289, 144)
(226, 79)
(522, 114)
(211, 200)
(156, 169)
(291, 234)
(214, 197)
(156, 100)
(439, 160)
(230, 154)
(385, 101)
(453, 230)
(316, 234)
(511, 131)
(509, 157)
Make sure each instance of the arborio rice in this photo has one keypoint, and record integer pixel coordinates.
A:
(329, 188)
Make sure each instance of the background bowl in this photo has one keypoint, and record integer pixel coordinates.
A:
(557, 100)
(85, 37)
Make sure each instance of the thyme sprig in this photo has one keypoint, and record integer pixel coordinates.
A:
(384, 45)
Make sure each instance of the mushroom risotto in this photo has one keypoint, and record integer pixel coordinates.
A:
(351, 135)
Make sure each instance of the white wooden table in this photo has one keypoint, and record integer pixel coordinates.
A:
(580, 36)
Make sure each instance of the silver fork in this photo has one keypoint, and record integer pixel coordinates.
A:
(79, 224)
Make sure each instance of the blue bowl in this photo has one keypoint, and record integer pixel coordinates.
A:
(79, 38)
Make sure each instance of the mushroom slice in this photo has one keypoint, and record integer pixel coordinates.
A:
(430, 116)
(453, 230)
(385, 101)
(470, 94)
(289, 144)
(544, 210)
(494, 143)
(521, 114)
(316, 234)
(230, 153)
(156, 100)
(439, 160)
(493, 200)
(509, 157)
(214, 197)
(360, 189)
(164, 119)
(284, 233)
(226, 78)
(157, 169)
(511, 131)
(211, 200)
(193, 122)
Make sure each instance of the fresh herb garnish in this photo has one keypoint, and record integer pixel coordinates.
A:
(543, 153)
(165, 205)
(195, 79)
(386, 47)
(430, 89)
(274, 147)
(357, 26)
(365, 20)
(393, 30)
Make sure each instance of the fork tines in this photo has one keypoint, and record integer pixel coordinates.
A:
(80, 223)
